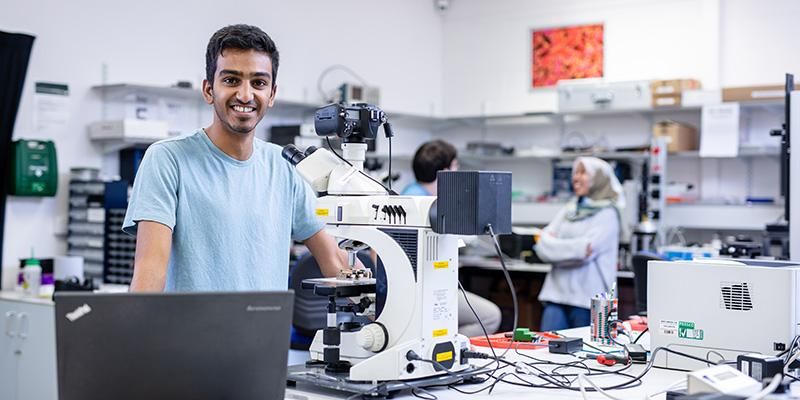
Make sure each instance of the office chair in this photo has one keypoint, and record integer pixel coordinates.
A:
(639, 262)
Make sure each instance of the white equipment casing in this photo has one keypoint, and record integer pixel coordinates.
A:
(326, 173)
(721, 379)
(721, 308)
(421, 307)
(581, 95)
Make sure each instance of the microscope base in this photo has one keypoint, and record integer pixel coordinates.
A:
(315, 375)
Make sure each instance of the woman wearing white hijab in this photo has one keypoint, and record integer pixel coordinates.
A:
(581, 243)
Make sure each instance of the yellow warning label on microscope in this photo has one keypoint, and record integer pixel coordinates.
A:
(446, 356)
(322, 212)
(440, 333)
(441, 264)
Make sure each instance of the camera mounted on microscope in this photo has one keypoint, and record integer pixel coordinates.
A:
(354, 123)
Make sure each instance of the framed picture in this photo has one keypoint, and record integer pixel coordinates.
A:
(572, 52)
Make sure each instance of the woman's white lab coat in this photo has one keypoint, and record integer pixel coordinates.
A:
(576, 278)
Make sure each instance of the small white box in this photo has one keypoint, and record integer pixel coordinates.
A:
(702, 97)
(722, 379)
(129, 128)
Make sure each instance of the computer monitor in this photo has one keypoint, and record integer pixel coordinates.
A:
(172, 345)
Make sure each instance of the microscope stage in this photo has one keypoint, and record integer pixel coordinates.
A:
(340, 287)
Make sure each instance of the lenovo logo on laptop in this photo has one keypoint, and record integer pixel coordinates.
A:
(79, 312)
(263, 308)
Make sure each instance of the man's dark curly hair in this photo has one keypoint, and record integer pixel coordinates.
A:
(431, 158)
(242, 37)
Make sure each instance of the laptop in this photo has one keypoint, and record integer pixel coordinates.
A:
(172, 345)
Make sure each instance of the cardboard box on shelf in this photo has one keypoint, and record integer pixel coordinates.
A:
(681, 136)
(673, 86)
(753, 93)
(668, 93)
(670, 100)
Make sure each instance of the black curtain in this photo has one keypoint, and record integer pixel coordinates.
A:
(15, 52)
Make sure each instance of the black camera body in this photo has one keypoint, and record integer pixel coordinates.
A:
(353, 123)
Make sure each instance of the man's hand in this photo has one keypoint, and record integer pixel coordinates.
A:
(329, 256)
(588, 250)
(153, 246)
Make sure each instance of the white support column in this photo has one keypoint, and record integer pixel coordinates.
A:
(794, 177)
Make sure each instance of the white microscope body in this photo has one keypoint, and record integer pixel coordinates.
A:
(420, 312)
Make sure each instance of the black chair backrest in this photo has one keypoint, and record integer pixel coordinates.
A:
(639, 262)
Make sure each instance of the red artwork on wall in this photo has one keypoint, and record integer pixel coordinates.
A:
(566, 53)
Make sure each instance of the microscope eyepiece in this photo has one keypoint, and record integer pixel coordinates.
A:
(292, 154)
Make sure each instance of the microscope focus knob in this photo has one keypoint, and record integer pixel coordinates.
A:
(372, 337)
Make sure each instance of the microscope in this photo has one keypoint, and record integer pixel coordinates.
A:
(414, 334)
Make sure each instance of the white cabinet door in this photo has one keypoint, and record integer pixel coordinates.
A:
(8, 347)
(37, 377)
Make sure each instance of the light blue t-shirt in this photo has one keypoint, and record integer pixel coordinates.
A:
(416, 189)
(232, 221)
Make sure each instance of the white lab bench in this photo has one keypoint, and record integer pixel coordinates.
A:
(28, 362)
(654, 381)
(516, 265)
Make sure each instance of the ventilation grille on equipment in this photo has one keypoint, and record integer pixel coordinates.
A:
(735, 296)
(407, 239)
(432, 247)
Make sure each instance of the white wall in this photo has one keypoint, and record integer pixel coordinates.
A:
(160, 42)
(487, 54)
(720, 42)
(759, 41)
(471, 60)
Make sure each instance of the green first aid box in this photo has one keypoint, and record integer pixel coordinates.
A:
(34, 168)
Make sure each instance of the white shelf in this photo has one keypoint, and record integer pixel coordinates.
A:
(743, 152)
(609, 155)
(721, 216)
(123, 89)
(116, 91)
(770, 104)
(117, 144)
(688, 216)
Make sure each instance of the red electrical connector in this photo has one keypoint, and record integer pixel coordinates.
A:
(612, 359)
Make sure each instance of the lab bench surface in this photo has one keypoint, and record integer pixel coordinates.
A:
(518, 265)
(656, 380)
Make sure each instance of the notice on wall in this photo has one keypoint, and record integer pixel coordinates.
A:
(51, 106)
(719, 134)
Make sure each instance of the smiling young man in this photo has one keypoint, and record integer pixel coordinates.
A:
(216, 210)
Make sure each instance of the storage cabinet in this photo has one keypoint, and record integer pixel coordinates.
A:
(27, 349)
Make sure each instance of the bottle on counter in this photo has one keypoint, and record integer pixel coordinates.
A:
(32, 276)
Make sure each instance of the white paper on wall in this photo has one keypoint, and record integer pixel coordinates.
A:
(719, 135)
(51, 102)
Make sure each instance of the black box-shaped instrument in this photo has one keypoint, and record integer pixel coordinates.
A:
(565, 345)
(759, 366)
(469, 201)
